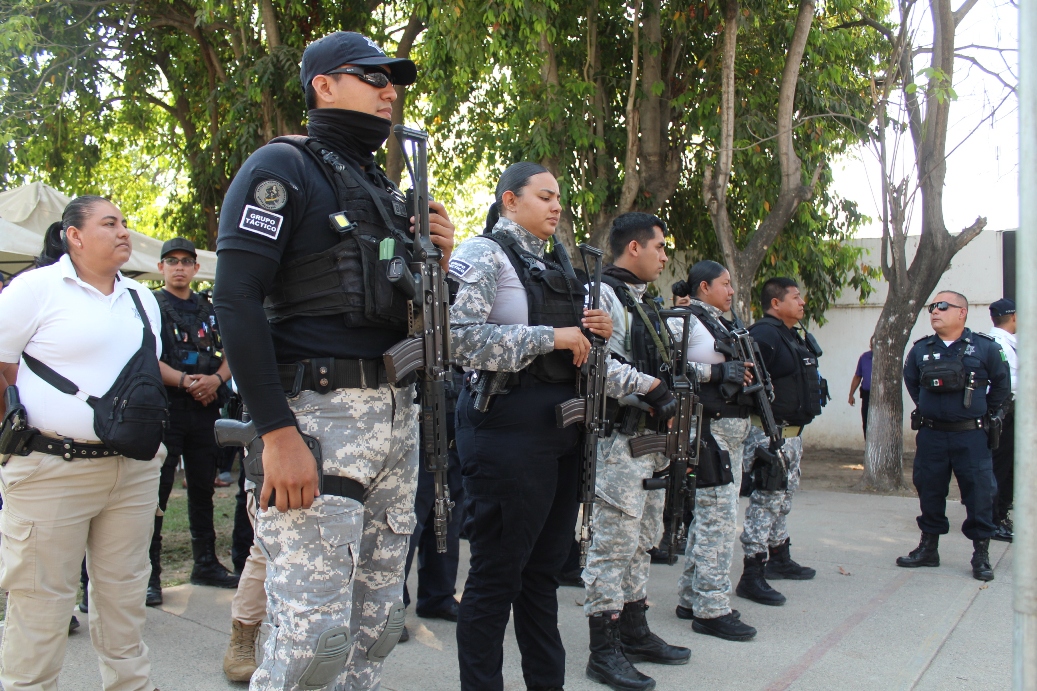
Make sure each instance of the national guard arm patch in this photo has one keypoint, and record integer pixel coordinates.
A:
(459, 267)
(256, 220)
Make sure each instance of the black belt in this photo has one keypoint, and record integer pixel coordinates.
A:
(336, 486)
(68, 449)
(327, 374)
(958, 426)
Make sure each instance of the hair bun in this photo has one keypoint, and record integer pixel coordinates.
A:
(681, 289)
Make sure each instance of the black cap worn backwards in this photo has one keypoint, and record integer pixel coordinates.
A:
(182, 244)
(1002, 307)
(350, 48)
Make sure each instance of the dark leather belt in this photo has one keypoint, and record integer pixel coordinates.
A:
(68, 449)
(327, 374)
(958, 426)
(337, 487)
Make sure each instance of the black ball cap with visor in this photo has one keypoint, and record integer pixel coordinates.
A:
(182, 244)
(350, 48)
(1002, 307)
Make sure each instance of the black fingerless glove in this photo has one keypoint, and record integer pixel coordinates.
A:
(662, 401)
(727, 373)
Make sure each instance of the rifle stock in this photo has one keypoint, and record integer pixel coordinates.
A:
(427, 349)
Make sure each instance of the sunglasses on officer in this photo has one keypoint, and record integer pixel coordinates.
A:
(942, 305)
(173, 261)
(369, 75)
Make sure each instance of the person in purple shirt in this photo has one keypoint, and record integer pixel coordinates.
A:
(862, 378)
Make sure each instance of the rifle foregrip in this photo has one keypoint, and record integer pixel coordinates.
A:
(403, 358)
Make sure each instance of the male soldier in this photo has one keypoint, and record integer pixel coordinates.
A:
(1002, 313)
(194, 372)
(947, 375)
(301, 230)
(627, 518)
(798, 396)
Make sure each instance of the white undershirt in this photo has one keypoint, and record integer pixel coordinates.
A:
(78, 332)
(702, 345)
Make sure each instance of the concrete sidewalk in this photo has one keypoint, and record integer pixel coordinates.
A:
(862, 623)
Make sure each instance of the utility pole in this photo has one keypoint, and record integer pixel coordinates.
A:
(1025, 539)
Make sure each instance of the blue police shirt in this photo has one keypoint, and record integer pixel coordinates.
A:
(980, 354)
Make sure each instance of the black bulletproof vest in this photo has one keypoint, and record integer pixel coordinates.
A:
(644, 343)
(714, 403)
(555, 298)
(797, 396)
(197, 346)
(348, 278)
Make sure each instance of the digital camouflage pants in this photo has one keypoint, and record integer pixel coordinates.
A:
(627, 522)
(340, 563)
(765, 523)
(705, 585)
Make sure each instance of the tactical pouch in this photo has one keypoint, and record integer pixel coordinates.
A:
(383, 301)
(714, 465)
(768, 473)
(994, 425)
(15, 434)
(916, 420)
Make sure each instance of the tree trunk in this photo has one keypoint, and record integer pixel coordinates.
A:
(393, 154)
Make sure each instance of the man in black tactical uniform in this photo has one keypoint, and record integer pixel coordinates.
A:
(799, 393)
(307, 230)
(194, 372)
(948, 375)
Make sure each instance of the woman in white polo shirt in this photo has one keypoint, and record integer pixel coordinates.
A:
(78, 317)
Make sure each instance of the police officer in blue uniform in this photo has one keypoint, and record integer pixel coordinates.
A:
(959, 380)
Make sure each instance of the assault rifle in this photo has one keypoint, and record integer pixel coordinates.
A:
(427, 348)
(588, 408)
(676, 443)
(769, 466)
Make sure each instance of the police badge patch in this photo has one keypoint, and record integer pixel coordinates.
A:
(271, 195)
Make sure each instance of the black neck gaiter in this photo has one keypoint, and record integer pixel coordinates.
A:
(349, 132)
(622, 274)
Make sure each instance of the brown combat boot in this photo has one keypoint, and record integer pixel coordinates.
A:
(240, 661)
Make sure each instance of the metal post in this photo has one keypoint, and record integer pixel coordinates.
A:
(1025, 544)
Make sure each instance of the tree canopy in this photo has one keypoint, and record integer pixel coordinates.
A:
(159, 102)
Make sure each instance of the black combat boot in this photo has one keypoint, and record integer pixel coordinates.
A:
(780, 565)
(640, 644)
(1003, 531)
(753, 586)
(926, 554)
(981, 569)
(607, 664)
(207, 568)
(727, 626)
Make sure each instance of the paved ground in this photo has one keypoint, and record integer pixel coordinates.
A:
(862, 623)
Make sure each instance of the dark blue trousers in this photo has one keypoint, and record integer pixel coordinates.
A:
(966, 455)
(520, 478)
(437, 573)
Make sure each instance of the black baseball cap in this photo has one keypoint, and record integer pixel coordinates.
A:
(182, 244)
(351, 48)
(1002, 307)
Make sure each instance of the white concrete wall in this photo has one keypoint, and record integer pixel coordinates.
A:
(975, 272)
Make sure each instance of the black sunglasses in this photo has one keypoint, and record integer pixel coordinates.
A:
(369, 75)
(942, 305)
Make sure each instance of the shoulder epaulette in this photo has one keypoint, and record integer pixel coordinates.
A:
(984, 335)
(922, 339)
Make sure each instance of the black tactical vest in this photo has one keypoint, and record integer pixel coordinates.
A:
(555, 297)
(714, 403)
(649, 342)
(197, 347)
(798, 397)
(349, 278)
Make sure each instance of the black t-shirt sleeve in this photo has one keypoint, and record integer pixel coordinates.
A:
(243, 278)
(264, 202)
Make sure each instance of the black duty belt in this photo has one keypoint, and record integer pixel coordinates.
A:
(327, 374)
(68, 449)
(957, 426)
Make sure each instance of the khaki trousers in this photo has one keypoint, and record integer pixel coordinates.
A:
(249, 603)
(54, 511)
